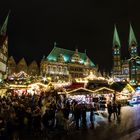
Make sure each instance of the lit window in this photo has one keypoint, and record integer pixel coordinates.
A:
(118, 52)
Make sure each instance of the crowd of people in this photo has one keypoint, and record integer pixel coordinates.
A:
(113, 109)
(37, 115)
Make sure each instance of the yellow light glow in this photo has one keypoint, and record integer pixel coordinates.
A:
(102, 88)
(79, 89)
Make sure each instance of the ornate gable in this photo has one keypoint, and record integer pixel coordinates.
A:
(22, 65)
(11, 62)
(68, 56)
(75, 58)
(61, 58)
(87, 62)
(33, 68)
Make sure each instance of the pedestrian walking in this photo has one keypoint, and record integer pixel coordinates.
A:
(77, 115)
(115, 110)
(119, 109)
(92, 117)
(109, 109)
(83, 115)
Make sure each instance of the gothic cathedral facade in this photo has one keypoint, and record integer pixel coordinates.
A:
(128, 69)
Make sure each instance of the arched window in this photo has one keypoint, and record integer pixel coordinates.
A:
(54, 69)
(60, 69)
(65, 70)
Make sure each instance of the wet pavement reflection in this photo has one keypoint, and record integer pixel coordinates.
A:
(128, 124)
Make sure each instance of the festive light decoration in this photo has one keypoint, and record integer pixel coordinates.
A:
(81, 88)
(104, 88)
(21, 74)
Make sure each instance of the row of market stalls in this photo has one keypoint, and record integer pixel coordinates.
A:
(89, 89)
(84, 95)
(99, 91)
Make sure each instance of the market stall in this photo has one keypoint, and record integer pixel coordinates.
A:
(81, 95)
(102, 96)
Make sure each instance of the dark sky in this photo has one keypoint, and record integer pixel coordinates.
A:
(84, 24)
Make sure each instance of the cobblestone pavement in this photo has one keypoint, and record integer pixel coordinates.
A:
(125, 129)
(128, 128)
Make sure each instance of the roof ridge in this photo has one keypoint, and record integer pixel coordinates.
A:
(67, 54)
(70, 50)
(51, 51)
(64, 49)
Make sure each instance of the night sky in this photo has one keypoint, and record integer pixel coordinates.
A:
(34, 25)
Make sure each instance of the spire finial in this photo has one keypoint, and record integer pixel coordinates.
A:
(43, 57)
(85, 51)
(76, 48)
(55, 44)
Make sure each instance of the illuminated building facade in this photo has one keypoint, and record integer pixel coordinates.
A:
(63, 64)
(3, 50)
(130, 68)
(116, 54)
(32, 69)
(22, 66)
(11, 66)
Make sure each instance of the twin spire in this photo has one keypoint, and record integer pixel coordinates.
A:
(132, 38)
(116, 40)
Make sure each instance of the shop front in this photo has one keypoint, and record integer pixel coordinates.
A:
(105, 92)
(102, 96)
(81, 95)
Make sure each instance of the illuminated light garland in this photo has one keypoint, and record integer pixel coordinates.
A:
(17, 86)
(91, 76)
(79, 89)
(19, 74)
(131, 87)
(41, 84)
(102, 88)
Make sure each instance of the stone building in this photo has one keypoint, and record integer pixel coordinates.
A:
(33, 69)
(128, 69)
(11, 66)
(22, 66)
(64, 64)
(3, 49)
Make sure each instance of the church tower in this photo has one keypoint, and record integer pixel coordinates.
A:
(116, 54)
(132, 43)
(3, 49)
(134, 61)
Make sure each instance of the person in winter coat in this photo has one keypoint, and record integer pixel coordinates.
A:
(109, 109)
(92, 117)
